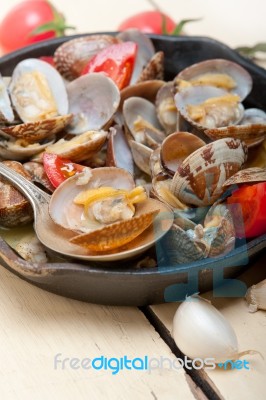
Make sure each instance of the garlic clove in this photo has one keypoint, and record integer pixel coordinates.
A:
(256, 297)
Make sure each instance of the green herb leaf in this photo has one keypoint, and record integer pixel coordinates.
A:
(250, 51)
(178, 29)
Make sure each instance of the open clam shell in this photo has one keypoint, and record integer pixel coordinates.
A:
(141, 120)
(37, 91)
(20, 151)
(198, 74)
(93, 100)
(176, 148)
(33, 132)
(6, 111)
(79, 148)
(217, 115)
(166, 108)
(72, 56)
(118, 150)
(199, 179)
(96, 236)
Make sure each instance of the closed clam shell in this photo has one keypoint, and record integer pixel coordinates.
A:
(72, 56)
(15, 209)
(93, 100)
(243, 80)
(33, 132)
(247, 175)
(200, 177)
(37, 91)
(176, 148)
(79, 148)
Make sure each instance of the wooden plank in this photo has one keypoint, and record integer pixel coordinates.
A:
(250, 330)
(37, 325)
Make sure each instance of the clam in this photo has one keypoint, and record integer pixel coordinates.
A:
(118, 150)
(15, 209)
(93, 100)
(141, 155)
(145, 53)
(146, 90)
(247, 175)
(38, 175)
(79, 148)
(208, 107)
(20, 150)
(72, 56)
(6, 111)
(154, 69)
(107, 212)
(141, 120)
(37, 91)
(200, 177)
(33, 132)
(220, 73)
(176, 147)
(166, 108)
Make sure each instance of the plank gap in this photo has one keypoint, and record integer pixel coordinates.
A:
(199, 377)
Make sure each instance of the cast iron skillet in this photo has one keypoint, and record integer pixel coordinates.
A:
(124, 283)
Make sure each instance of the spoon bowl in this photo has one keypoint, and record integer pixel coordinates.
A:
(56, 238)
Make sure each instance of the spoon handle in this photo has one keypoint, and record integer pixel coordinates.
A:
(35, 195)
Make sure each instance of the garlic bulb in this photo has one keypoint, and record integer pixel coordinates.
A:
(201, 331)
(256, 297)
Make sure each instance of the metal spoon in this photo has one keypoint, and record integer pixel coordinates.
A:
(55, 237)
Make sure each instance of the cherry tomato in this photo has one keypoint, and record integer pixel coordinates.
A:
(116, 61)
(59, 169)
(148, 22)
(28, 22)
(248, 205)
(48, 59)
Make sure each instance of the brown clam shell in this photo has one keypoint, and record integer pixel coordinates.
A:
(15, 209)
(33, 132)
(252, 134)
(200, 177)
(80, 147)
(117, 234)
(71, 57)
(176, 148)
(154, 69)
(247, 175)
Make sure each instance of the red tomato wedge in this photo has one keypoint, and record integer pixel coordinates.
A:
(248, 205)
(59, 169)
(116, 61)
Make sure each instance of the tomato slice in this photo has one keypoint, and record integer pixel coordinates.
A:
(116, 61)
(48, 59)
(248, 206)
(59, 169)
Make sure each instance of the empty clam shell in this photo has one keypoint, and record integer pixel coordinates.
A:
(200, 177)
(93, 100)
(220, 73)
(72, 56)
(37, 91)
